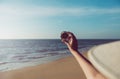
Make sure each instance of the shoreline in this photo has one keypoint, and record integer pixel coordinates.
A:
(63, 68)
(17, 66)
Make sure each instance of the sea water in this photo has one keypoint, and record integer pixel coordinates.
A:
(21, 53)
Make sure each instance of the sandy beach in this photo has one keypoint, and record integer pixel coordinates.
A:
(65, 68)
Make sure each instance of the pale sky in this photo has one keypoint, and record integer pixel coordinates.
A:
(46, 19)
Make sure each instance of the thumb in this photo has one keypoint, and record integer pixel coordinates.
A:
(68, 45)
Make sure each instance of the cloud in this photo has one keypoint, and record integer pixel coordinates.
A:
(14, 14)
(29, 11)
(12, 17)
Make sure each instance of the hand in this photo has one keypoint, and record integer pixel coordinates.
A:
(72, 41)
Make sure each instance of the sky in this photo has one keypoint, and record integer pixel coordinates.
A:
(46, 19)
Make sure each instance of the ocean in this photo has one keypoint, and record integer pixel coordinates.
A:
(21, 53)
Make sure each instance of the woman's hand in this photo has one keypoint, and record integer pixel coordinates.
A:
(71, 41)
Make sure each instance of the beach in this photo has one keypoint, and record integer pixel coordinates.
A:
(65, 68)
(41, 59)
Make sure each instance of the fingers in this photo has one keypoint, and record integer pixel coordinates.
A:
(65, 42)
(70, 41)
(70, 38)
(72, 35)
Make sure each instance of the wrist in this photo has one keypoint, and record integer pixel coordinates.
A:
(71, 49)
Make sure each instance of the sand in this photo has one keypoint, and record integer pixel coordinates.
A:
(65, 68)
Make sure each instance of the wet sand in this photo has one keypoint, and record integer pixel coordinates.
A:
(65, 68)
